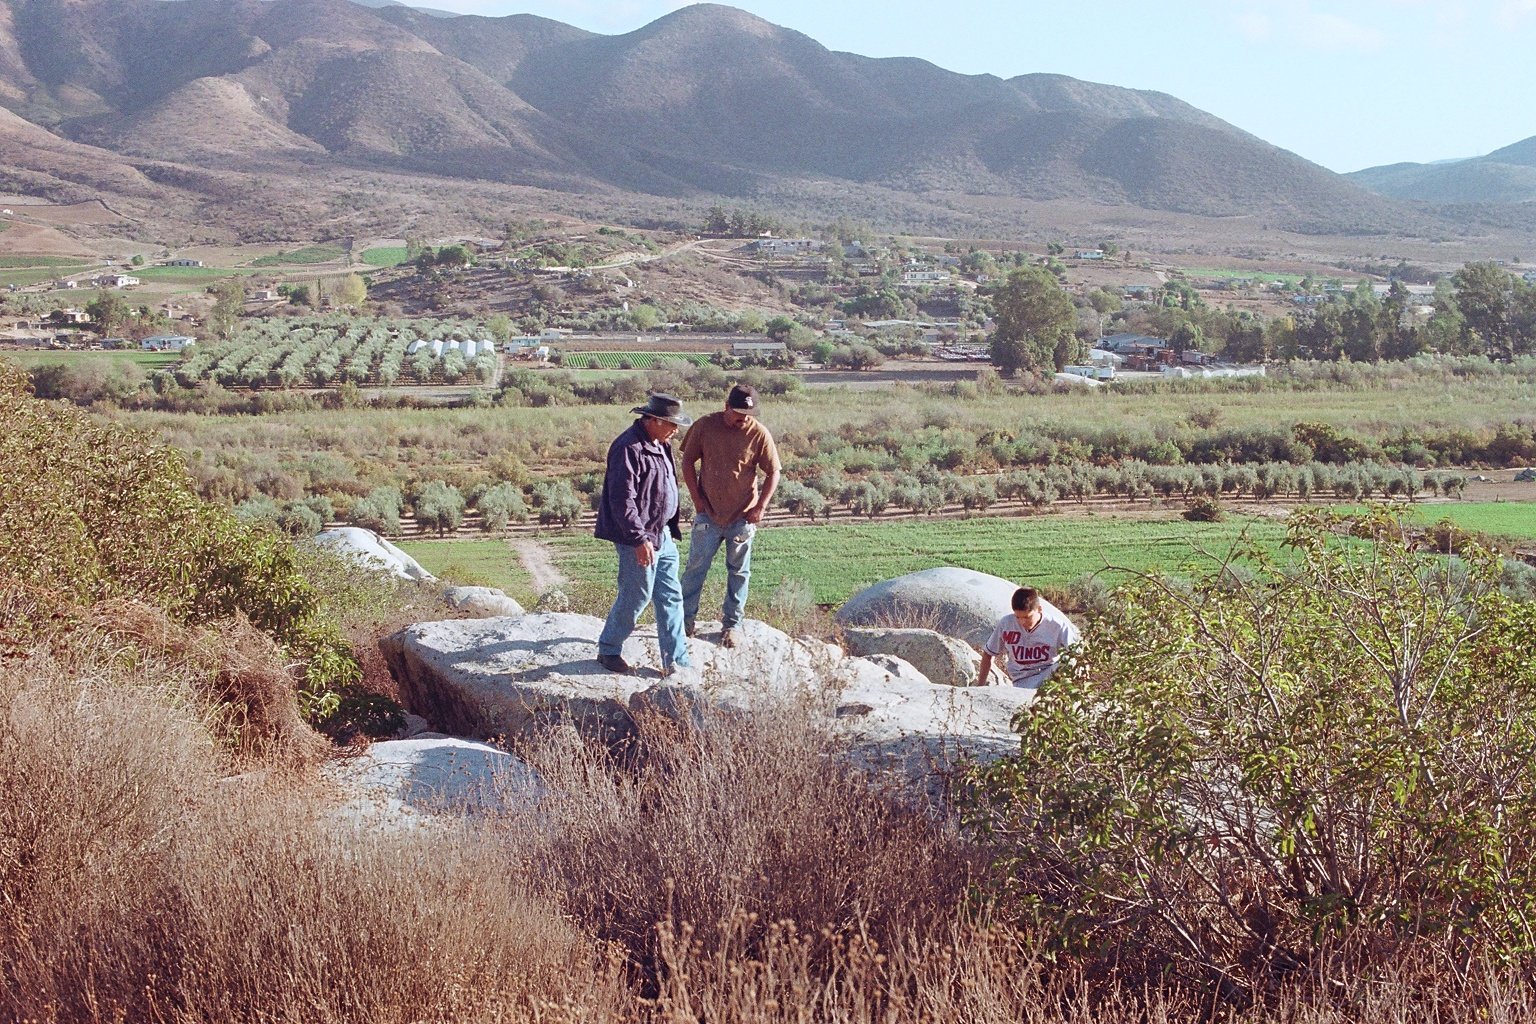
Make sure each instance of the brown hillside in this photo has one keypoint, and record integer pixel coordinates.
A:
(315, 103)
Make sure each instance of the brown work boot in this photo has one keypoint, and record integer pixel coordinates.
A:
(727, 638)
(615, 663)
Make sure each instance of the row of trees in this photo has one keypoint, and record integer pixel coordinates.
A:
(930, 490)
(442, 507)
(290, 353)
(1482, 310)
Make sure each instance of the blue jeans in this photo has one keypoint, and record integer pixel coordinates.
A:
(704, 541)
(640, 585)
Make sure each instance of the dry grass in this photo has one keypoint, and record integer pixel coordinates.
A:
(748, 816)
(234, 673)
(739, 874)
(138, 886)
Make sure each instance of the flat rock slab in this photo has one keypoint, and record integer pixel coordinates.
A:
(433, 775)
(515, 677)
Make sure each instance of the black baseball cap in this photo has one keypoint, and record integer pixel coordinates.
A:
(743, 398)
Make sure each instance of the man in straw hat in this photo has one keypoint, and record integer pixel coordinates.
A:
(638, 514)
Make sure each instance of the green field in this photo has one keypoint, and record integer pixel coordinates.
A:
(302, 257)
(13, 262)
(1512, 520)
(636, 360)
(385, 256)
(477, 563)
(23, 278)
(148, 360)
(189, 273)
(1048, 551)
(1221, 274)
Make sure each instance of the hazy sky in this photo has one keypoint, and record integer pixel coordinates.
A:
(1346, 84)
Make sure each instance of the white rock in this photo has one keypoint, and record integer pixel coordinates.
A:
(960, 603)
(414, 726)
(486, 602)
(943, 659)
(372, 550)
(515, 677)
(434, 775)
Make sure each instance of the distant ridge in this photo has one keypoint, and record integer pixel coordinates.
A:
(207, 96)
(1506, 175)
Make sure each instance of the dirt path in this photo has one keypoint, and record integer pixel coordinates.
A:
(541, 567)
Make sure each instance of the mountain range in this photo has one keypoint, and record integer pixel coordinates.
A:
(1507, 175)
(197, 106)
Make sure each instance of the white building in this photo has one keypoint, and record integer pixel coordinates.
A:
(167, 343)
(787, 246)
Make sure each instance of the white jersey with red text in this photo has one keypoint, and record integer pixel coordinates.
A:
(1031, 654)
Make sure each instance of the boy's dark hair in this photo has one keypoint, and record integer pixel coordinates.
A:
(1026, 599)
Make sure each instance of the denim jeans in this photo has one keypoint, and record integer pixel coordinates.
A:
(640, 585)
(704, 541)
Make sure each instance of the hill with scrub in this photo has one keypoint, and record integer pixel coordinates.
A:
(1504, 176)
(208, 105)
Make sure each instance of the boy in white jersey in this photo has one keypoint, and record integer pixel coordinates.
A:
(1030, 639)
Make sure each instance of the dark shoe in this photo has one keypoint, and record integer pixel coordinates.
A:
(727, 638)
(689, 629)
(615, 663)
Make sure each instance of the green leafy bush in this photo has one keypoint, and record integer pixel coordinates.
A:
(1280, 772)
(91, 511)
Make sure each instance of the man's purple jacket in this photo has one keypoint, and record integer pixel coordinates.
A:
(639, 489)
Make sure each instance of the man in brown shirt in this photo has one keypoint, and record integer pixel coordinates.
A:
(722, 456)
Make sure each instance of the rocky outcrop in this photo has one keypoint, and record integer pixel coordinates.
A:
(373, 551)
(400, 780)
(485, 602)
(960, 603)
(514, 677)
(944, 660)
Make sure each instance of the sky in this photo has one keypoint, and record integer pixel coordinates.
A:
(1345, 84)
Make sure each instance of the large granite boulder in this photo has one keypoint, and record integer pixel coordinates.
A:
(371, 550)
(401, 780)
(514, 677)
(942, 659)
(960, 603)
(485, 602)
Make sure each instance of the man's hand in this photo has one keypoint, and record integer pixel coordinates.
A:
(645, 554)
(753, 515)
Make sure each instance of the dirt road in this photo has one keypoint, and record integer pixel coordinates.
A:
(541, 567)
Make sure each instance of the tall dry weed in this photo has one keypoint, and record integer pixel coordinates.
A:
(751, 814)
(136, 885)
(234, 671)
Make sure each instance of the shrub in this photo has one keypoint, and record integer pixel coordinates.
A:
(800, 500)
(501, 505)
(1205, 510)
(379, 511)
(1326, 764)
(556, 502)
(298, 519)
(438, 505)
(91, 511)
